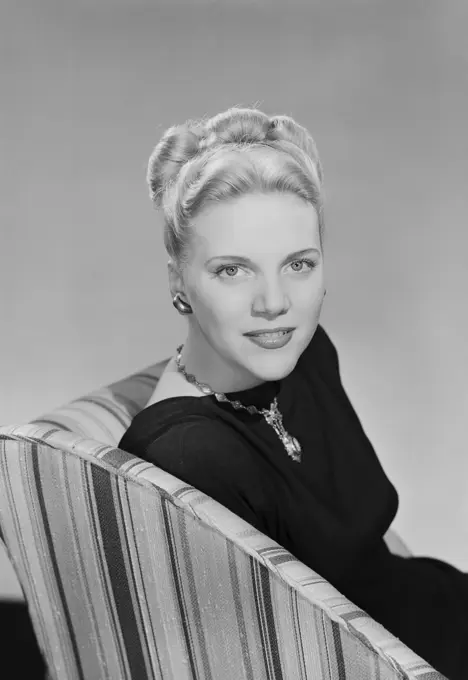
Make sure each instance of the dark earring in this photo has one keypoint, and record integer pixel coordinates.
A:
(181, 306)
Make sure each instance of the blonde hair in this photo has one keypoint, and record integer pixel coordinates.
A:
(238, 151)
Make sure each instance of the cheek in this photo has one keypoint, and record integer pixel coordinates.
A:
(228, 314)
(221, 309)
(311, 294)
(228, 297)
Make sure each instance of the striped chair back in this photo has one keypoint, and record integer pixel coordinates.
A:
(130, 573)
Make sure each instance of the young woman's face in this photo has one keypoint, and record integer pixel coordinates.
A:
(247, 273)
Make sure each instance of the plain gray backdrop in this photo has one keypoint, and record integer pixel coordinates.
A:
(88, 89)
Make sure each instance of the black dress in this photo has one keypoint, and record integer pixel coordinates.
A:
(330, 511)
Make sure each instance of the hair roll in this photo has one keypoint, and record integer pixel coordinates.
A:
(238, 151)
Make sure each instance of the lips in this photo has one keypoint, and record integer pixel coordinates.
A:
(271, 340)
(270, 333)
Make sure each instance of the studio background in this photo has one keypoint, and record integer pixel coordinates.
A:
(88, 90)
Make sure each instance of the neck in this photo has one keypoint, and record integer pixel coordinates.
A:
(207, 366)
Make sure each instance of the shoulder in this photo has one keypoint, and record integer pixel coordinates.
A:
(213, 458)
(201, 444)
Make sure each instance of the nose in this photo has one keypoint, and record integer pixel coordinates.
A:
(271, 299)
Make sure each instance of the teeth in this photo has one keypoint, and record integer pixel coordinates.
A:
(271, 335)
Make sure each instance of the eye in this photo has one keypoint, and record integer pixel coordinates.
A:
(302, 262)
(226, 268)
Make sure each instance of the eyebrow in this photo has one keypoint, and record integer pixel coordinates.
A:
(246, 260)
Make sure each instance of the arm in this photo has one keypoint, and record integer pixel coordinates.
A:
(395, 544)
(391, 538)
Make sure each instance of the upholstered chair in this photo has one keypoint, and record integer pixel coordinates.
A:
(129, 573)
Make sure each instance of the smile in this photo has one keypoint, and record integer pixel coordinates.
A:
(271, 340)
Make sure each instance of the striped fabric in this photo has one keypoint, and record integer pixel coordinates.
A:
(106, 413)
(131, 574)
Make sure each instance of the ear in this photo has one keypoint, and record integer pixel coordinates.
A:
(176, 283)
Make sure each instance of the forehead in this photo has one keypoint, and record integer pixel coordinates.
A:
(250, 223)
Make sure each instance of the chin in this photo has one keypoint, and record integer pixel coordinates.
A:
(275, 366)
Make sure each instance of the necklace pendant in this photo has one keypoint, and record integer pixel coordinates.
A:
(273, 418)
(293, 448)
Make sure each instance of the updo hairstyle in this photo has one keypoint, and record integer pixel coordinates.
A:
(237, 152)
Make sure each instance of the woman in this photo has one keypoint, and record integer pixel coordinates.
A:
(251, 410)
